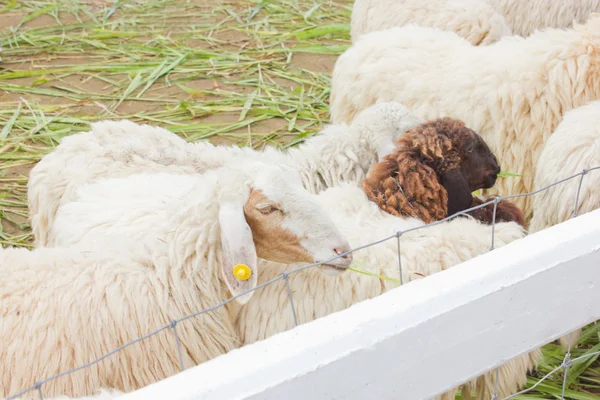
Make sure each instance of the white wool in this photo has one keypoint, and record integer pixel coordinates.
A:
(122, 147)
(474, 20)
(573, 147)
(131, 206)
(117, 149)
(513, 92)
(103, 394)
(424, 252)
(526, 16)
(62, 308)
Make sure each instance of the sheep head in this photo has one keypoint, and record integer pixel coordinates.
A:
(432, 172)
(275, 218)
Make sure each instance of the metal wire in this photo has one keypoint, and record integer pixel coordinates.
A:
(174, 326)
(549, 374)
(289, 291)
(494, 223)
(585, 171)
(399, 257)
(39, 388)
(566, 363)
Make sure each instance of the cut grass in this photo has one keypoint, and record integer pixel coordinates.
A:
(254, 73)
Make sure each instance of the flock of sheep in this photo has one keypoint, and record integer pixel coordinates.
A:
(135, 227)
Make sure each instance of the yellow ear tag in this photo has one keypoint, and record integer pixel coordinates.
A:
(242, 272)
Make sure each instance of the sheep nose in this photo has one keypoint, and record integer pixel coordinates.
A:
(343, 249)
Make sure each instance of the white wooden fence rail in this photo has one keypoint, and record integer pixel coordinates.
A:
(421, 339)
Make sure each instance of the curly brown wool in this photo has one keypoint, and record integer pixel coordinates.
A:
(435, 167)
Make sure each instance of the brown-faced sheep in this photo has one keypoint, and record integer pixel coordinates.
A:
(433, 172)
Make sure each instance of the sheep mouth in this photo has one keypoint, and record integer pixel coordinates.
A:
(338, 265)
(490, 181)
(332, 270)
(334, 267)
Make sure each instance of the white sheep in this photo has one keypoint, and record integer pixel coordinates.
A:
(474, 20)
(424, 252)
(120, 148)
(174, 255)
(513, 92)
(526, 16)
(573, 147)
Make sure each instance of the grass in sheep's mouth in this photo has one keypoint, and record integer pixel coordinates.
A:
(250, 72)
(354, 268)
(501, 174)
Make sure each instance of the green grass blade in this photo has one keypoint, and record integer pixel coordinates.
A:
(375, 275)
(11, 122)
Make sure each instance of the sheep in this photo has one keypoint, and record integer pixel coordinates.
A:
(474, 20)
(526, 16)
(120, 148)
(513, 92)
(175, 251)
(573, 147)
(423, 252)
(432, 173)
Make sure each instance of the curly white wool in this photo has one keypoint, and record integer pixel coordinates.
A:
(62, 308)
(526, 16)
(474, 20)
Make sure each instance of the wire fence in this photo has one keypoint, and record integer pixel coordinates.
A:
(566, 364)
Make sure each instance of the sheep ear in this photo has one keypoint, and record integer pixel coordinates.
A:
(459, 193)
(238, 248)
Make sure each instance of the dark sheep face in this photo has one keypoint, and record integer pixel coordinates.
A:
(479, 165)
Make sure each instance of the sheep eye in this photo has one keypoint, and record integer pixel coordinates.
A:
(267, 209)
